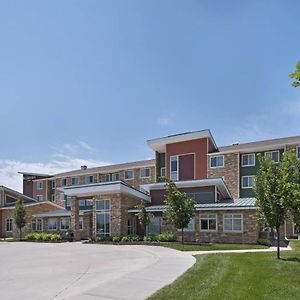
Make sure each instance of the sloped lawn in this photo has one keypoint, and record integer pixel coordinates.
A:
(239, 276)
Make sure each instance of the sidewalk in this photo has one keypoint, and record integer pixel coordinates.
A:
(271, 249)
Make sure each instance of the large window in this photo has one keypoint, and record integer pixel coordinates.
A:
(274, 155)
(52, 224)
(217, 161)
(128, 174)
(248, 160)
(64, 223)
(86, 202)
(75, 180)
(208, 222)
(154, 227)
(9, 225)
(247, 182)
(114, 176)
(174, 164)
(36, 225)
(89, 179)
(39, 198)
(103, 217)
(39, 185)
(233, 222)
(63, 181)
(145, 172)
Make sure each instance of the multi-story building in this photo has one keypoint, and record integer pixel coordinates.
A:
(102, 200)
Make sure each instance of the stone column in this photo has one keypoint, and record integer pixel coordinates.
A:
(75, 218)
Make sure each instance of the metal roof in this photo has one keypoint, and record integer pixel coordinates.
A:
(59, 213)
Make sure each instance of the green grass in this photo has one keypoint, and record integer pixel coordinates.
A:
(239, 276)
(207, 247)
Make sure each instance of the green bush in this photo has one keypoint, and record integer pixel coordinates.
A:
(103, 238)
(116, 239)
(150, 239)
(265, 242)
(166, 237)
(35, 236)
(125, 239)
(135, 238)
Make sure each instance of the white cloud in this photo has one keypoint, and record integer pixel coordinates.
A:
(9, 168)
(86, 146)
(163, 121)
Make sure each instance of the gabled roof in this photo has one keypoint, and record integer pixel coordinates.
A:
(159, 144)
(59, 213)
(35, 174)
(17, 194)
(272, 144)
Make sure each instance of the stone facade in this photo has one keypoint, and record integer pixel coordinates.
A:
(230, 172)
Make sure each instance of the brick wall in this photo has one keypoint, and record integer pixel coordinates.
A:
(230, 173)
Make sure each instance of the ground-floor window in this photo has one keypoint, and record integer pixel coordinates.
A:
(9, 225)
(103, 223)
(233, 222)
(36, 225)
(81, 223)
(131, 226)
(154, 228)
(191, 225)
(208, 222)
(64, 223)
(295, 231)
(52, 224)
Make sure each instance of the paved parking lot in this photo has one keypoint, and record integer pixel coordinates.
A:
(80, 271)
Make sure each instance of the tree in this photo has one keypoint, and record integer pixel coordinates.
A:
(180, 208)
(143, 216)
(20, 215)
(271, 208)
(296, 75)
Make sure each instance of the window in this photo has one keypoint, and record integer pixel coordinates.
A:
(298, 152)
(248, 160)
(103, 217)
(36, 225)
(81, 223)
(208, 222)
(64, 182)
(163, 171)
(247, 182)
(39, 198)
(145, 172)
(233, 223)
(191, 225)
(174, 167)
(10, 200)
(154, 227)
(81, 202)
(105, 178)
(75, 180)
(62, 197)
(128, 174)
(88, 179)
(89, 202)
(9, 225)
(39, 185)
(68, 201)
(64, 223)
(114, 176)
(52, 197)
(53, 184)
(217, 161)
(274, 155)
(130, 226)
(52, 224)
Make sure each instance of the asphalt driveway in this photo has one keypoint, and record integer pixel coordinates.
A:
(85, 271)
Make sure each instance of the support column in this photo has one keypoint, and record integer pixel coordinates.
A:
(75, 218)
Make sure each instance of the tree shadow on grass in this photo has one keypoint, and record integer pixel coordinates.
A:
(293, 259)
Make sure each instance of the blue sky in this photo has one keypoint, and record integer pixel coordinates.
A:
(91, 81)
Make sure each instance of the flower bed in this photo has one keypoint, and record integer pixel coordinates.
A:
(43, 237)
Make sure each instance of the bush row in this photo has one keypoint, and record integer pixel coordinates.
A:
(35, 236)
(163, 237)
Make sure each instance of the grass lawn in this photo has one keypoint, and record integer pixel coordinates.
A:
(191, 247)
(239, 276)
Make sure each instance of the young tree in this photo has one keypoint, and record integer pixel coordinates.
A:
(180, 208)
(20, 215)
(143, 216)
(271, 209)
(296, 75)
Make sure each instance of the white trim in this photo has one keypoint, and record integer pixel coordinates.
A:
(56, 224)
(12, 224)
(242, 223)
(273, 151)
(227, 208)
(38, 183)
(129, 170)
(76, 179)
(161, 171)
(247, 187)
(145, 169)
(10, 197)
(177, 171)
(216, 167)
(247, 154)
(208, 230)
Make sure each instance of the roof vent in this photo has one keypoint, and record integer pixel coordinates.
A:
(83, 167)
(235, 144)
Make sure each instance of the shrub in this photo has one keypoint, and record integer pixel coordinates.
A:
(166, 237)
(103, 238)
(125, 238)
(116, 239)
(135, 238)
(264, 242)
(35, 236)
(150, 239)
(91, 239)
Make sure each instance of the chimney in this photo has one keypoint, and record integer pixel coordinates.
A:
(83, 167)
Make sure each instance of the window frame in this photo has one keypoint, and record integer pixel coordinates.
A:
(273, 151)
(52, 229)
(103, 211)
(37, 222)
(176, 178)
(187, 229)
(163, 170)
(216, 156)
(115, 176)
(10, 224)
(208, 219)
(249, 165)
(146, 168)
(89, 177)
(76, 180)
(61, 226)
(64, 182)
(131, 178)
(40, 185)
(80, 223)
(232, 222)
(39, 198)
(247, 187)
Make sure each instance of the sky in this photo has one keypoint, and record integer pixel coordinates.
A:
(88, 82)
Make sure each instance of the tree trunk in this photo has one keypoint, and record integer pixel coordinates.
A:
(20, 233)
(181, 235)
(278, 242)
